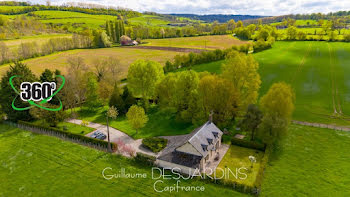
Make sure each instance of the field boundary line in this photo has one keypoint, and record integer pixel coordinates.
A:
(321, 125)
(301, 65)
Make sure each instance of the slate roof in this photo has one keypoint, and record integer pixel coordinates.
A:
(197, 138)
(200, 138)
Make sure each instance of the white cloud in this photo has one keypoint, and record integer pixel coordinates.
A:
(252, 7)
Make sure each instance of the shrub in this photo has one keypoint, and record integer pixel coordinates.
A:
(248, 144)
(155, 144)
(146, 159)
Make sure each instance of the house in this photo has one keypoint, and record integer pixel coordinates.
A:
(193, 152)
(126, 41)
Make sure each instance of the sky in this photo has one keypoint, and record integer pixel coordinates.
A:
(244, 7)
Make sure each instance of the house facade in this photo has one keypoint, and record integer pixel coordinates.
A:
(193, 152)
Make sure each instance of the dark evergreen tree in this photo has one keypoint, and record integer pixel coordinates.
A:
(47, 76)
(116, 100)
(8, 94)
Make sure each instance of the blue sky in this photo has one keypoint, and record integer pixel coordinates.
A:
(251, 7)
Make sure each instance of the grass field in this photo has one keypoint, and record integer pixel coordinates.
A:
(313, 162)
(238, 157)
(160, 123)
(126, 55)
(200, 42)
(319, 72)
(39, 39)
(39, 165)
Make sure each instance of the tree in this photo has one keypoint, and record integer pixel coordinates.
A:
(239, 24)
(111, 113)
(116, 99)
(52, 117)
(128, 99)
(277, 106)
(8, 94)
(219, 96)
(242, 71)
(251, 120)
(92, 100)
(47, 76)
(231, 24)
(291, 33)
(136, 117)
(143, 76)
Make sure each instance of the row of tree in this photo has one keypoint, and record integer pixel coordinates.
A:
(115, 30)
(32, 49)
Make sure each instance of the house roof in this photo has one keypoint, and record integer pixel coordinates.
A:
(202, 137)
(198, 138)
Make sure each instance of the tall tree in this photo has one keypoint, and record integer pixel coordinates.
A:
(242, 71)
(251, 120)
(277, 106)
(92, 99)
(136, 117)
(47, 76)
(8, 94)
(143, 76)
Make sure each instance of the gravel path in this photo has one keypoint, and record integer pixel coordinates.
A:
(115, 135)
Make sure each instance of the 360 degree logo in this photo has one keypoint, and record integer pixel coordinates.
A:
(36, 91)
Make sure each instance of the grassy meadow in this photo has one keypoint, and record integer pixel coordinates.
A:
(160, 123)
(237, 157)
(126, 56)
(200, 42)
(313, 162)
(319, 72)
(39, 39)
(39, 165)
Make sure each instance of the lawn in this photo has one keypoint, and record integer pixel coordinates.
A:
(70, 127)
(160, 123)
(313, 162)
(200, 42)
(319, 72)
(237, 157)
(39, 165)
(126, 55)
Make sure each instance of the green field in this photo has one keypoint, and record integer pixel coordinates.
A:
(319, 72)
(200, 42)
(39, 165)
(313, 162)
(39, 39)
(71, 127)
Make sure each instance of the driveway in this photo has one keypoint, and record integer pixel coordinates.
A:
(114, 135)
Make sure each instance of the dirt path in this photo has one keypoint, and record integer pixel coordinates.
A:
(176, 49)
(116, 135)
(320, 125)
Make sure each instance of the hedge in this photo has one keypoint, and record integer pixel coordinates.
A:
(82, 138)
(263, 165)
(155, 144)
(248, 144)
(145, 159)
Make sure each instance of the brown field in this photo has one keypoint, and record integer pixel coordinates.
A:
(126, 55)
(200, 42)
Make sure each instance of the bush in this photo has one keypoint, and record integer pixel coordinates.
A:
(145, 159)
(82, 138)
(263, 165)
(155, 144)
(248, 144)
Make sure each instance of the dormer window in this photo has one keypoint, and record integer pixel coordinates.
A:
(204, 147)
(215, 134)
(210, 141)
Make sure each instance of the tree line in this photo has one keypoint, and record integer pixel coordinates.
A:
(69, 7)
(32, 49)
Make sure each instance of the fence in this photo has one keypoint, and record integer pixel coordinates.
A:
(79, 140)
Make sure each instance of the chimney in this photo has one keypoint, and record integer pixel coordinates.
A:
(211, 117)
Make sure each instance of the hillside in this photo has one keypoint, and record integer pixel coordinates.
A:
(222, 18)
